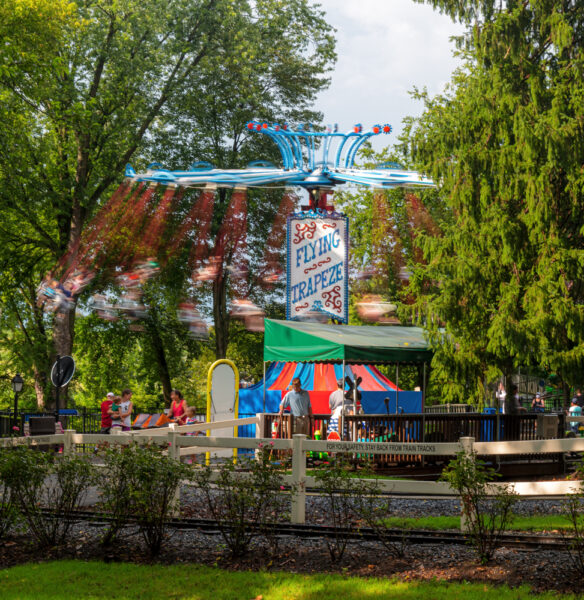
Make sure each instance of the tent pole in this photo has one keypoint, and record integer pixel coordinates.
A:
(424, 387)
(396, 387)
(264, 386)
(342, 434)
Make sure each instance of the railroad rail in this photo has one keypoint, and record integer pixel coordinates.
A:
(519, 541)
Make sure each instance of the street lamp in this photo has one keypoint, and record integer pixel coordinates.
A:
(17, 383)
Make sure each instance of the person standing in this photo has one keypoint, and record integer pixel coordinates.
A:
(178, 407)
(126, 410)
(575, 411)
(579, 398)
(513, 404)
(538, 404)
(336, 398)
(298, 401)
(500, 395)
(106, 413)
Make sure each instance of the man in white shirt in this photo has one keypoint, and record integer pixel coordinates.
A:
(336, 398)
(500, 395)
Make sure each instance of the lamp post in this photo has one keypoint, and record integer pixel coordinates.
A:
(17, 383)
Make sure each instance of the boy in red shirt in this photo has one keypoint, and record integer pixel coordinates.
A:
(106, 416)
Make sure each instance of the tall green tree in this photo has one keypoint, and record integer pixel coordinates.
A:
(505, 144)
(83, 100)
(85, 85)
(289, 49)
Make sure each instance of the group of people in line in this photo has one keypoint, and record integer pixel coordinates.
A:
(297, 401)
(510, 404)
(116, 411)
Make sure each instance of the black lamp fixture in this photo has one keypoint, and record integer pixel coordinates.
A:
(17, 383)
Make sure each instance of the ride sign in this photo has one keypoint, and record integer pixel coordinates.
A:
(317, 266)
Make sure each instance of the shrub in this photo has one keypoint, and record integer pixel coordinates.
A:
(154, 485)
(574, 511)
(140, 484)
(339, 490)
(486, 515)
(374, 509)
(40, 481)
(115, 488)
(9, 513)
(245, 500)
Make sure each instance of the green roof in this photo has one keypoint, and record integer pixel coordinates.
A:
(293, 341)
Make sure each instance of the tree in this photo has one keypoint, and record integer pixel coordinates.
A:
(84, 95)
(289, 48)
(505, 143)
(384, 228)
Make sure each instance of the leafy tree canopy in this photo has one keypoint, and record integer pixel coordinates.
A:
(505, 144)
(87, 86)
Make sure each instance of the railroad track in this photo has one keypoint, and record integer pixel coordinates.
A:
(528, 542)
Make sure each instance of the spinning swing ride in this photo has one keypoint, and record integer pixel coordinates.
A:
(314, 161)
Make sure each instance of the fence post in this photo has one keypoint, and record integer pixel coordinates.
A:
(260, 430)
(174, 454)
(298, 479)
(173, 448)
(261, 425)
(68, 447)
(467, 444)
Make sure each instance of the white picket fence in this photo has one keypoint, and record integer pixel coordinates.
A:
(179, 444)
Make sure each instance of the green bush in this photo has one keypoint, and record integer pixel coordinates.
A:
(245, 500)
(154, 488)
(574, 511)
(9, 513)
(374, 509)
(115, 489)
(139, 484)
(338, 489)
(486, 515)
(41, 481)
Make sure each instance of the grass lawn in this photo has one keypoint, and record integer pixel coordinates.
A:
(88, 580)
(536, 523)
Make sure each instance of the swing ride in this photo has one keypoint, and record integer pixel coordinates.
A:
(129, 239)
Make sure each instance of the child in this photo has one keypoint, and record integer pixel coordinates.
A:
(334, 420)
(191, 420)
(115, 412)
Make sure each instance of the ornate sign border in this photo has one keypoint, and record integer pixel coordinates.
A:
(317, 306)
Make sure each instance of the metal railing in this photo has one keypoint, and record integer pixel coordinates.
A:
(448, 408)
(422, 428)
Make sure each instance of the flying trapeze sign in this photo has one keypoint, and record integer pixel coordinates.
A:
(299, 149)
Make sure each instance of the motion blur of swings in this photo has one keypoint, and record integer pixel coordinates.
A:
(387, 242)
(133, 238)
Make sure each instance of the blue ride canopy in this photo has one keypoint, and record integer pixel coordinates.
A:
(319, 380)
(298, 149)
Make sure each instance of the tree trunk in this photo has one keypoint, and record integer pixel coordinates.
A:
(64, 325)
(63, 334)
(220, 316)
(40, 384)
(159, 353)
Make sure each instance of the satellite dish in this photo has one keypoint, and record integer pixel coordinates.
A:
(62, 371)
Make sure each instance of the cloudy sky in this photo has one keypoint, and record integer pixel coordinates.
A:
(385, 49)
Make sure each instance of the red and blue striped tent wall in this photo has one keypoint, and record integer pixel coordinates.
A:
(320, 380)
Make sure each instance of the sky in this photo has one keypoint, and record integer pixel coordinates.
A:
(385, 48)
